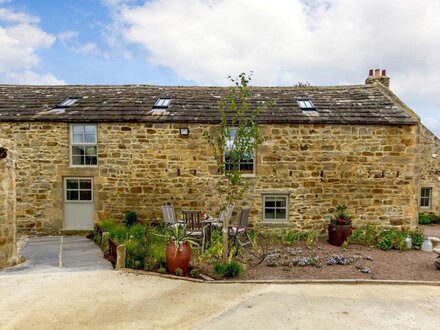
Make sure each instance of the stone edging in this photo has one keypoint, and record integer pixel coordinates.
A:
(311, 281)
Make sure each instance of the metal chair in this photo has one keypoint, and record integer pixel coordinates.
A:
(194, 225)
(169, 216)
(240, 229)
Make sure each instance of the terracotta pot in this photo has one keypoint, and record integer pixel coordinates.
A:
(338, 234)
(178, 258)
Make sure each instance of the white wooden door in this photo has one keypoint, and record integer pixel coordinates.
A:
(78, 203)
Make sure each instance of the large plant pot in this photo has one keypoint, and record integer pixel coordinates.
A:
(338, 234)
(178, 258)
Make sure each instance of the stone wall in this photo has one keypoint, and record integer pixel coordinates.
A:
(371, 169)
(7, 203)
(430, 167)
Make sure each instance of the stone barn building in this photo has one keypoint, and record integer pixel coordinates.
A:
(83, 152)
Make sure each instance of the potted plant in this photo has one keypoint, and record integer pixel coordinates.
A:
(178, 251)
(340, 227)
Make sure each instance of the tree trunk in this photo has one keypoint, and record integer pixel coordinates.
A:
(225, 239)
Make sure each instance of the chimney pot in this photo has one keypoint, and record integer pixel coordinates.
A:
(370, 73)
(384, 72)
(377, 72)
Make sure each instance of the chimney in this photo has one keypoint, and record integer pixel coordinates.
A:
(379, 77)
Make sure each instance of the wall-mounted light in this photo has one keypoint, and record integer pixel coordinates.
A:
(184, 131)
(3, 152)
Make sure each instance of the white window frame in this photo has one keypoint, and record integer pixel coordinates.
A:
(254, 160)
(78, 178)
(83, 144)
(286, 196)
(162, 103)
(429, 198)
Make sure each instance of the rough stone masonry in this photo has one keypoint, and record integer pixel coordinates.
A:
(7, 203)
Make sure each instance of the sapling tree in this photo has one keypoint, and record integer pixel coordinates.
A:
(234, 143)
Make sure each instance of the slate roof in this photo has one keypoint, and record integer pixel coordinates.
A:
(356, 104)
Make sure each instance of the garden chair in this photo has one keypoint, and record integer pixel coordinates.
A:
(240, 231)
(169, 216)
(194, 225)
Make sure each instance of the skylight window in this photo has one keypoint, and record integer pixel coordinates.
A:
(162, 103)
(306, 104)
(68, 102)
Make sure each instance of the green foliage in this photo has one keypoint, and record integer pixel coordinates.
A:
(229, 269)
(236, 139)
(179, 272)
(214, 251)
(137, 231)
(130, 218)
(97, 237)
(108, 224)
(364, 236)
(137, 251)
(312, 237)
(340, 217)
(292, 237)
(417, 237)
(428, 218)
(194, 272)
(178, 235)
(393, 238)
(162, 270)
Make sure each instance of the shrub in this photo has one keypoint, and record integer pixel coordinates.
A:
(230, 269)
(162, 270)
(428, 218)
(137, 251)
(417, 238)
(194, 273)
(365, 236)
(108, 224)
(119, 233)
(292, 237)
(137, 231)
(392, 238)
(179, 272)
(130, 218)
(215, 250)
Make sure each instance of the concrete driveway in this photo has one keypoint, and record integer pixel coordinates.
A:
(60, 253)
(56, 291)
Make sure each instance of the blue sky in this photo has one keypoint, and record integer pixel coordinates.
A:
(201, 42)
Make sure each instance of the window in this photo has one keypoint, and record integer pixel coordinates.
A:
(244, 164)
(275, 208)
(306, 104)
(162, 103)
(79, 189)
(68, 102)
(425, 197)
(84, 150)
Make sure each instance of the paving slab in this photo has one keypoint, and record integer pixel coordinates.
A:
(60, 254)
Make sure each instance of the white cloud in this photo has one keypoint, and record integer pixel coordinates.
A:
(17, 17)
(285, 41)
(289, 41)
(20, 39)
(31, 78)
(70, 40)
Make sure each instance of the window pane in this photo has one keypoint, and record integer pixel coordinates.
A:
(269, 214)
(89, 138)
(85, 195)
(90, 151)
(281, 214)
(78, 138)
(72, 184)
(77, 160)
(85, 184)
(78, 150)
(281, 202)
(91, 160)
(90, 129)
(72, 195)
(78, 129)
